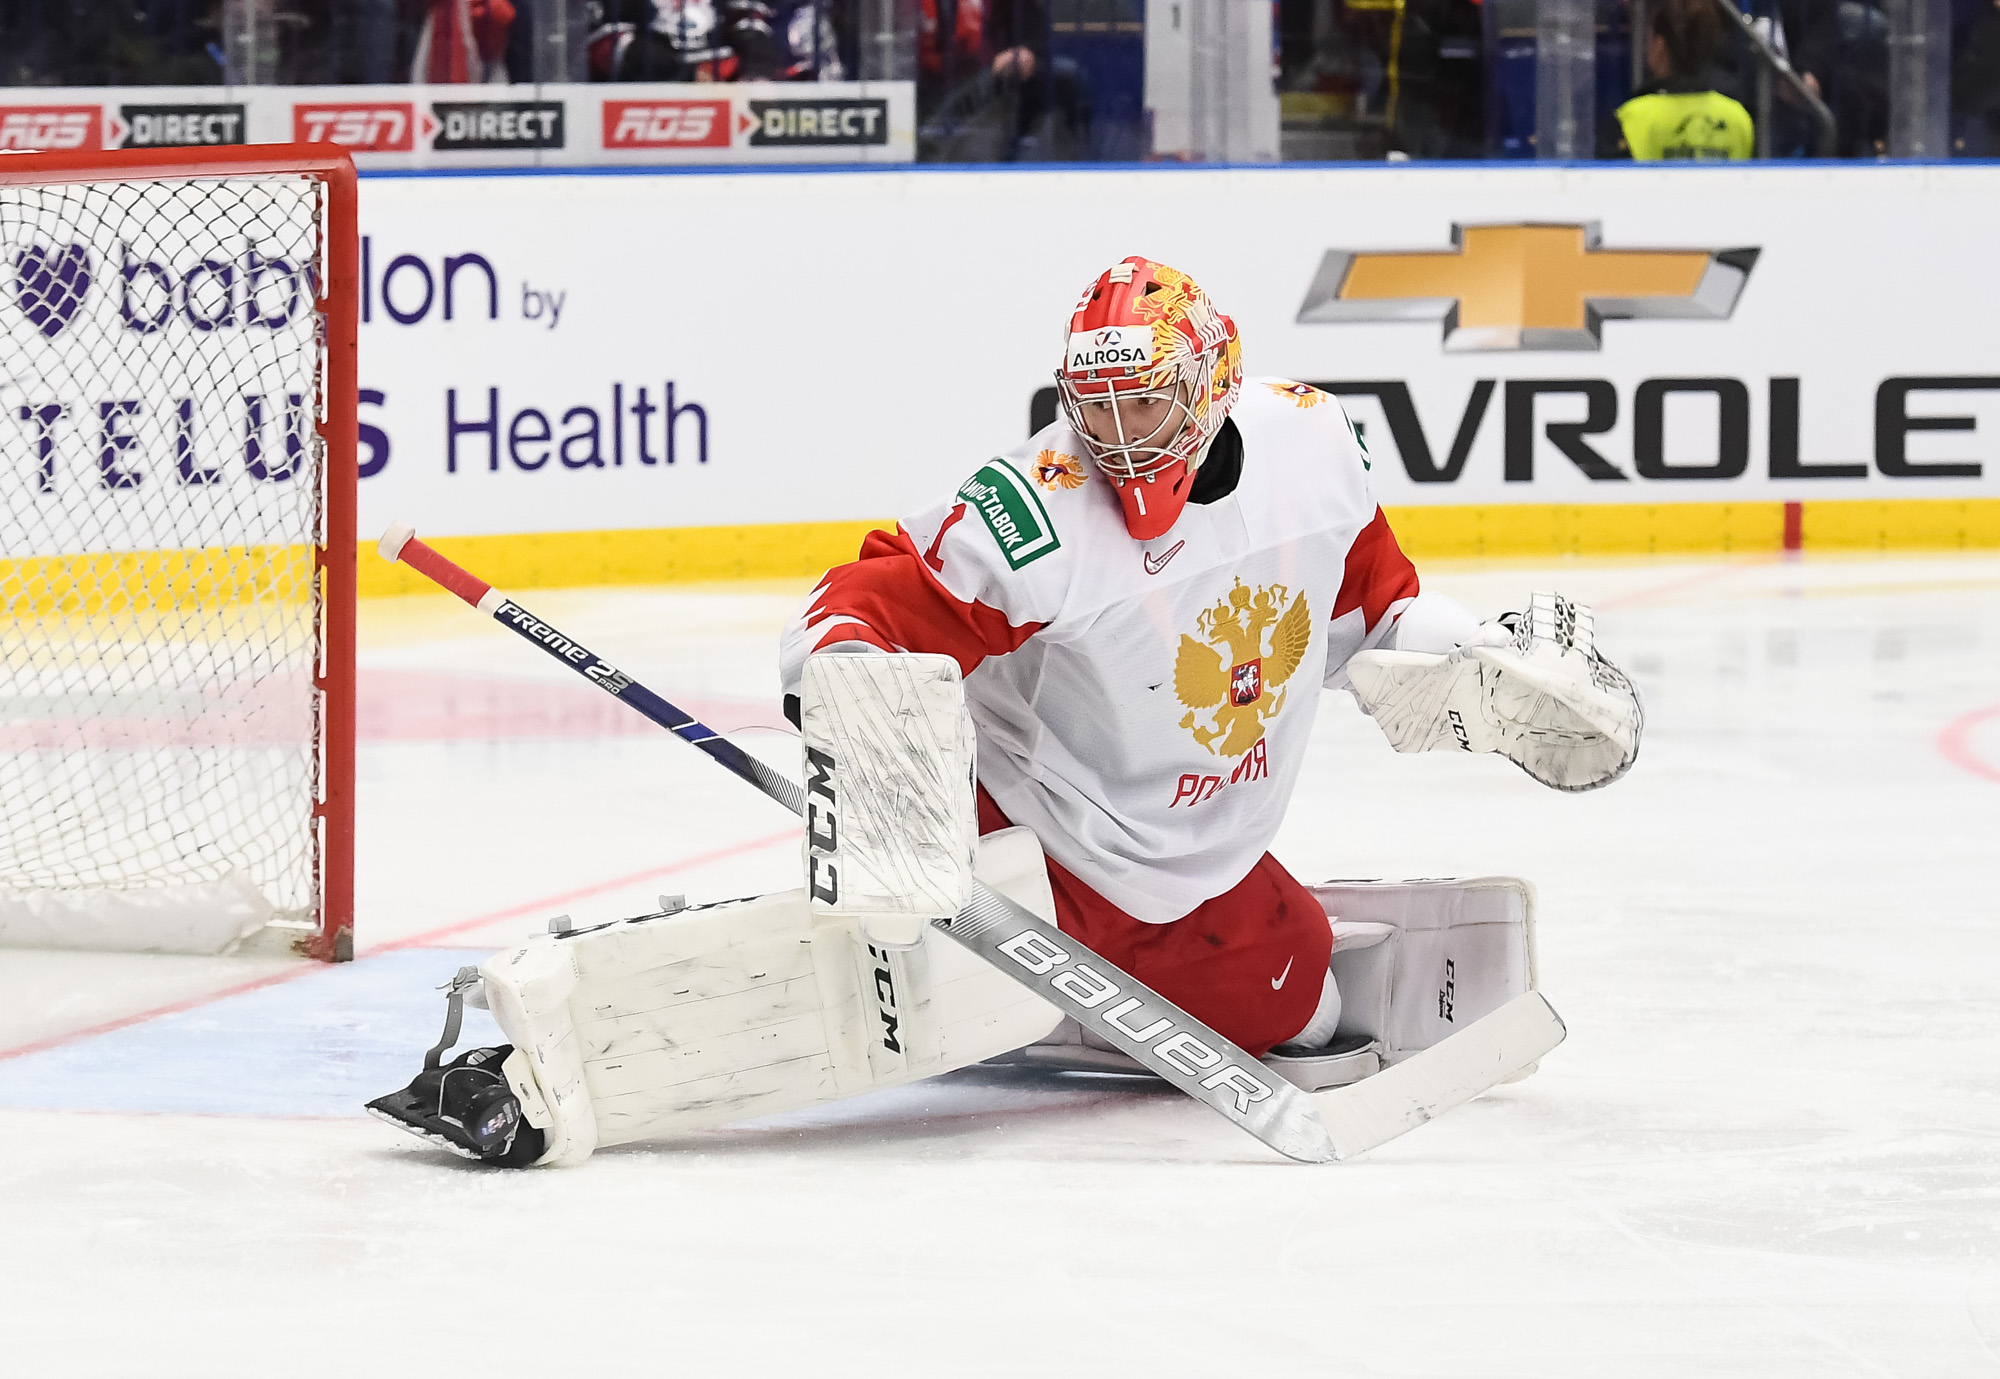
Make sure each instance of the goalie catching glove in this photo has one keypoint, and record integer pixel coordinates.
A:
(1536, 691)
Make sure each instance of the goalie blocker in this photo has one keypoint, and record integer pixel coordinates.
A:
(891, 818)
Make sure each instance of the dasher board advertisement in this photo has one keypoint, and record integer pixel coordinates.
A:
(551, 125)
(570, 353)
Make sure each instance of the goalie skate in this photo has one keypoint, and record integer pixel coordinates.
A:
(465, 1105)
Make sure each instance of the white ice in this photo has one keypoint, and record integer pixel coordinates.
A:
(1771, 1145)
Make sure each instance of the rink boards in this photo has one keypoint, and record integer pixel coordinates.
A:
(630, 375)
(698, 376)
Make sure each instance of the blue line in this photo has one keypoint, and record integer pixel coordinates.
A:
(319, 1045)
(1164, 168)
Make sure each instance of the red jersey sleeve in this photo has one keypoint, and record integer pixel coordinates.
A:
(890, 597)
(1378, 584)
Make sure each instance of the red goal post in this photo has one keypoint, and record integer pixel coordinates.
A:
(177, 548)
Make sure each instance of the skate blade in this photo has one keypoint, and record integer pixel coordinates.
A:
(383, 1112)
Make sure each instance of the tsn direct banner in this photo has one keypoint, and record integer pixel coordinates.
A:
(576, 353)
(487, 126)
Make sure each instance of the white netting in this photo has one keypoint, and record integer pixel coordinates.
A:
(160, 501)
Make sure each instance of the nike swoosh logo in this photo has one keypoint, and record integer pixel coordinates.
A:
(1154, 566)
(1278, 982)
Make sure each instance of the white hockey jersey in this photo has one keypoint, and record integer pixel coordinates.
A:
(1142, 706)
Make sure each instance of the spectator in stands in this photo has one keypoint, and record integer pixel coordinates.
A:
(951, 48)
(1020, 105)
(1440, 107)
(461, 40)
(1806, 33)
(110, 43)
(1680, 114)
(368, 42)
(710, 40)
(1975, 85)
(809, 41)
(1853, 75)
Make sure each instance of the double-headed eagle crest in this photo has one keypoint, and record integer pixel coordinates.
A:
(1301, 395)
(1053, 470)
(1235, 680)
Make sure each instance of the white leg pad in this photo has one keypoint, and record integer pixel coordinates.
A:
(1418, 960)
(728, 1012)
(524, 987)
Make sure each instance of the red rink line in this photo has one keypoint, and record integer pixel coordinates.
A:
(1956, 742)
(548, 902)
(300, 969)
(1675, 586)
(390, 706)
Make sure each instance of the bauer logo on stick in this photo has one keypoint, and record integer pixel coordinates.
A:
(1135, 1019)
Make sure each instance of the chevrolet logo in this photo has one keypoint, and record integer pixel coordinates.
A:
(1527, 287)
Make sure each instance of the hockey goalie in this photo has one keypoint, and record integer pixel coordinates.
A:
(1086, 678)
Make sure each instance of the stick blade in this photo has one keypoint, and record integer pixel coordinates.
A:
(1483, 1054)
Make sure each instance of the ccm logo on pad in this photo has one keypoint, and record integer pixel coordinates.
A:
(666, 124)
(822, 828)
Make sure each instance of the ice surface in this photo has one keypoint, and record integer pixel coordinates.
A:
(1771, 1145)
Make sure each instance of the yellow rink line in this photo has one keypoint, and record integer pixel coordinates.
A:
(1539, 530)
(670, 555)
(133, 582)
(1528, 530)
(113, 583)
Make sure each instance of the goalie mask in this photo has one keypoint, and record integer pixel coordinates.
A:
(1150, 371)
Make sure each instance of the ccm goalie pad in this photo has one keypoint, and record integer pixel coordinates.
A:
(1414, 962)
(891, 823)
(1543, 698)
(721, 1013)
(1417, 961)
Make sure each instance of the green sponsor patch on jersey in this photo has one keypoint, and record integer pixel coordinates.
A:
(1006, 502)
(1360, 437)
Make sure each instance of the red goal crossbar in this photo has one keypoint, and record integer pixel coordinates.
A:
(334, 556)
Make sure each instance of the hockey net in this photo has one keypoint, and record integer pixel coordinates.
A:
(177, 550)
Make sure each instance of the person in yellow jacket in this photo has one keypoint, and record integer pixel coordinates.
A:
(1680, 115)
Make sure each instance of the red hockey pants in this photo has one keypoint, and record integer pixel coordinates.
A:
(1249, 962)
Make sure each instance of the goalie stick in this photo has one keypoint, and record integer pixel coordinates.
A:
(1153, 1030)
